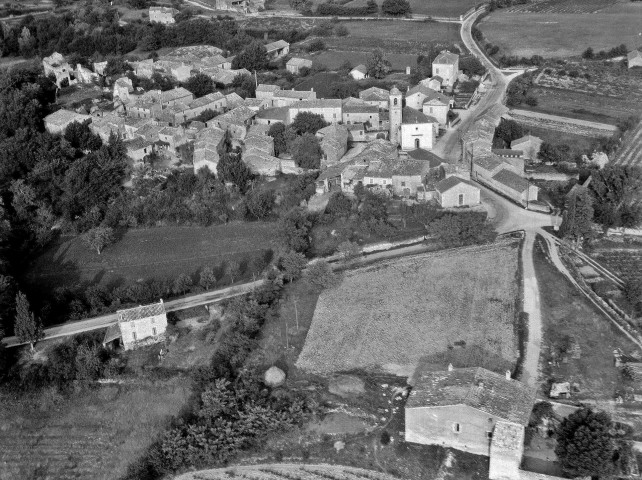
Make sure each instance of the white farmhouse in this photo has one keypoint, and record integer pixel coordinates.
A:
(446, 65)
(142, 325)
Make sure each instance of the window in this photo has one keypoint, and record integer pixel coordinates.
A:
(416, 143)
(456, 428)
(395, 102)
(134, 335)
(153, 319)
(489, 435)
(461, 199)
(154, 333)
(403, 184)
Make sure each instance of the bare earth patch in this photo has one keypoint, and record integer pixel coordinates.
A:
(391, 314)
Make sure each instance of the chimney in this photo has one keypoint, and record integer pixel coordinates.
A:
(450, 367)
(508, 375)
(407, 70)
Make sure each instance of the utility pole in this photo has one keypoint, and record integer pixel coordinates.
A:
(296, 314)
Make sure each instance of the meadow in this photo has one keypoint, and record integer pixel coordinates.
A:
(440, 8)
(160, 252)
(392, 314)
(563, 34)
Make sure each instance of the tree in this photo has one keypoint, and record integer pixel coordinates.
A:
(615, 190)
(377, 65)
(182, 284)
(27, 327)
(584, 445)
(207, 278)
(294, 230)
(321, 275)
(232, 270)
(553, 153)
(578, 215)
(260, 203)
(292, 263)
(306, 122)
(371, 7)
(200, 84)
(458, 229)
(98, 238)
(277, 132)
(230, 168)
(588, 54)
(252, 57)
(316, 45)
(339, 205)
(395, 7)
(348, 250)
(633, 294)
(306, 151)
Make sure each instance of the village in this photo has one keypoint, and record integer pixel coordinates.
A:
(419, 283)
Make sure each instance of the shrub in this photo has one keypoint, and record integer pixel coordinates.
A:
(316, 45)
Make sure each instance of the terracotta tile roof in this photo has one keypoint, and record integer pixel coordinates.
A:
(319, 103)
(511, 180)
(270, 47)
(359, 107)
(279, 114)
(299, 62)
(264, 87)
(478, 388)
(446, 57)
(410, 115)
(420, 154)
(143, 311)
(450, 182)
(298, 94)
(360, 68)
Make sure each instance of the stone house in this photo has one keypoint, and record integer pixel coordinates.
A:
(223, 76)
(181, 73)
(142, 325)
(265, 91)
(106, 124)
(236, 122)
(295, 65)
(334, 143)
(208, 147)
(85, 75)
(375, 96)
(460, 408)
(434, 83)
(267, 165)
(438, 108)
(285, 98)
(446, 65)
(212, 101)
(99, 67)
(123, 89)
(174, 137)
(330, 109)
(58, 121)
(277, 49)
(634, 59)
(139, 148)
(56, 65)
(514, 186)
(358, 111)
(270, 116)
(259, 143)
(176, 94)
(457, 192)
(164, 15)
(360, 72)
(529, 145)
(359, 132)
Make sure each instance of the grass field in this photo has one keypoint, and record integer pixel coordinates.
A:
(333, 59)
(563, 35)
(578, 143)
(563, 6)
(567, 314)
(95, 434)
(162, 252)
(392, 314)
(439, 8)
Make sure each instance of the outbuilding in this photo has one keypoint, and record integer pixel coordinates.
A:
(457, 192)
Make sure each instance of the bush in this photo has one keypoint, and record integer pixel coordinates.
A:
(395, 7)
(316, 45)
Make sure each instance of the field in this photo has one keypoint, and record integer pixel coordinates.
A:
(439, 8)
(569, 318)
(562, 34)
(578, 143)
(562, 6)
(95, 434)
(395, 313)
(162, 252)
(630, 153)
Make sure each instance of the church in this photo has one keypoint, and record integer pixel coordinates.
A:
(410, 128)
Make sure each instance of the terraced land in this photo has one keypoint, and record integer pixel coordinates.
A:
(630, 153)
(287, 472)
(624, 262)
(392, 314)
(563, 6)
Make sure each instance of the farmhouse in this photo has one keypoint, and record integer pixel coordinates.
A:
(459, 408)
(138, 148)
(284, 98)
(457, 192)
(164, 15)
(140, 326)
(529, 145)
(58, 121)
(359, 72)
(277, 49)
(359, 111)
(634, 59)
(515, 187)
(446, 65)
(265, 91)
(295, 65)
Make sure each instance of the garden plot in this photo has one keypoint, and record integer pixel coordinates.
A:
(630, 153)
(392, 314)
(624, 262)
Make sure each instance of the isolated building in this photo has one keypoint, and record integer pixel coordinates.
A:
(164, 15)
(457, 192)
(142, 325)
(634, 59)
(446, 65)
(529, 145)
(56, 65)
(295, 65)
(277, 49)
(359, 72)
(460, 408)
